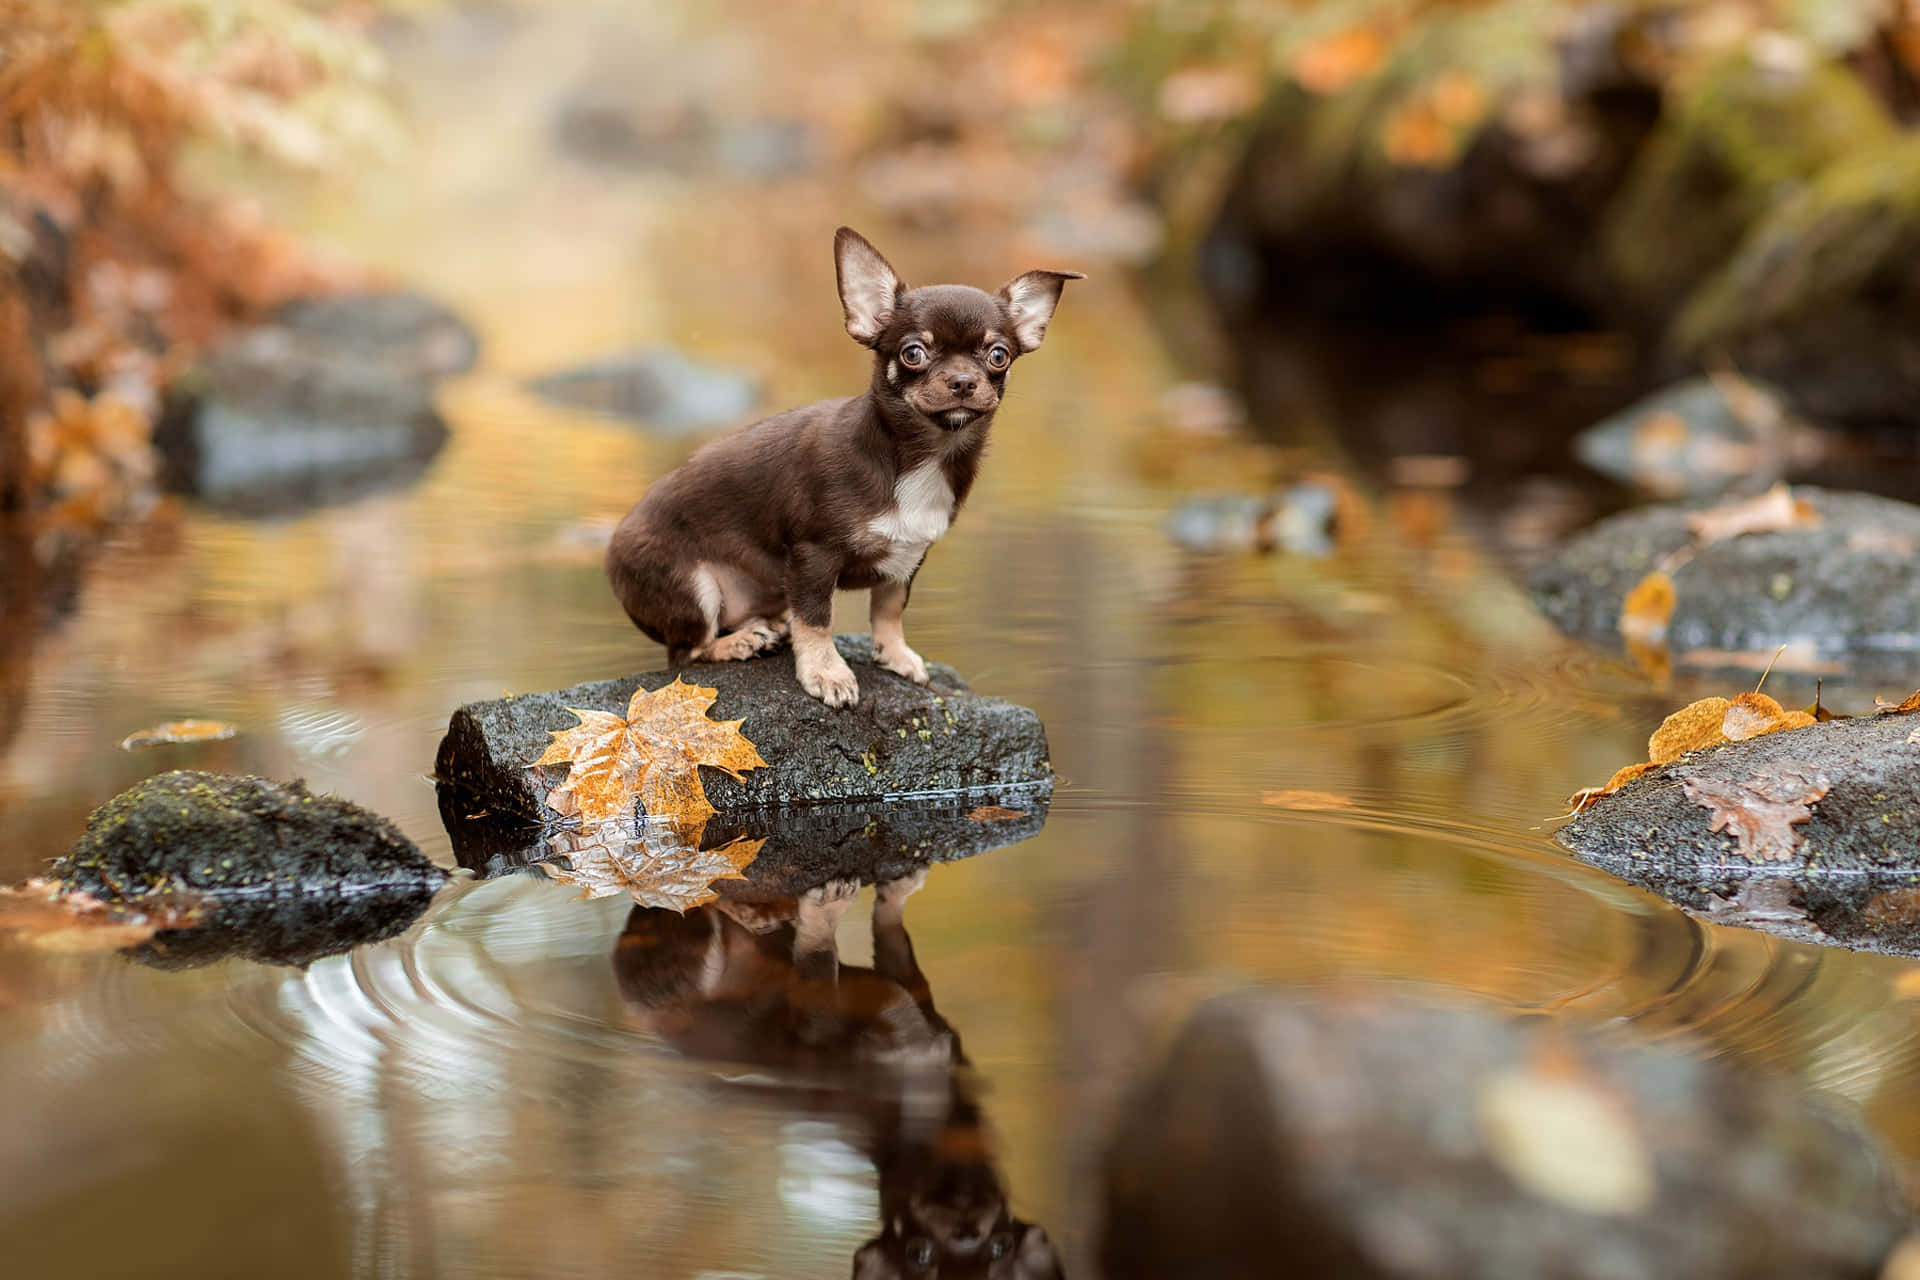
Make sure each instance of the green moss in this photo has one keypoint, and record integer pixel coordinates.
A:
(1746, 137)
(1826, 244)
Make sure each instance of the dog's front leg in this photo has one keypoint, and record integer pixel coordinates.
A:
(812, 573)
(886, 608)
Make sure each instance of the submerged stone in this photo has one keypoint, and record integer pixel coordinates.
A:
(283, 875)
(1693, 439)
(659, 387)
(1852, 877)
(902, 740)
(1844, 591)
(332, 400)
(1377, 1139)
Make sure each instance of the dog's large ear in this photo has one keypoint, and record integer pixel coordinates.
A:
(1030, 300)
(868, 287)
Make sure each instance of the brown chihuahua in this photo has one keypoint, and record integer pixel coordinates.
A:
(749, 539)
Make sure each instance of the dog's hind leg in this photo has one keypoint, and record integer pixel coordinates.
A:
(679, 609)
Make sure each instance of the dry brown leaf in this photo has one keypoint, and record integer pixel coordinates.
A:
(43, 917)
(1770, 512)
(1587, 795)
(1306, 801)
(1752, 715)
(179, 731)
(1761, 812)
(1885, 708)
(1647, 609)
(1694, 727)
(653, 755)
(994, 813)
(662, 866)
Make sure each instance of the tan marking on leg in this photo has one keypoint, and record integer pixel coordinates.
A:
(887, 608)
(754, 636)
(822, 671)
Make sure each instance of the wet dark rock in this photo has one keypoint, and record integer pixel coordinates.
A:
(1821, 295)
(333, 400)
(608, 130)
(659, 387)
(805, 848)
(407, 333)
(1379, 1140)
(285, 876)
(1845, 591)
(901, 740)
(1854, 878)
(1691, 439)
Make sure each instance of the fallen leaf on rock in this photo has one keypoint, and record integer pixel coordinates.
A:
(1885, 708)
(1772, 511)
(1694, 727)
(1587, 795)
(40, 915)
(1648, 608)
(660, 865)
(1752, 715)
(1894, 909)
(1566, 1139)
(1761, 812)
(179, 731)
(653, 755)
(994, 813)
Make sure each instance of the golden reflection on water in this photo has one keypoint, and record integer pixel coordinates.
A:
(470, 1100)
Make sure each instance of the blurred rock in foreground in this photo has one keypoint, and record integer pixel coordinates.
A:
(1378, 1140)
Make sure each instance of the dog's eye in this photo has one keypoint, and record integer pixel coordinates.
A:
(914, 356)
(998, 357)
(920, 1253)
(1000, 1246)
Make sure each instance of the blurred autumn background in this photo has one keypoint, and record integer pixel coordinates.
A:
(1362, 273)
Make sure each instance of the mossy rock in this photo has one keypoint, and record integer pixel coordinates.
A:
(285, 876)
(1852, 879)
(1844, 590)
(900, 741)
(1749, 134)
(1821, 296)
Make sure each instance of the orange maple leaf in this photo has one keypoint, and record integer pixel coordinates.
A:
(662, 865)
(653, 755)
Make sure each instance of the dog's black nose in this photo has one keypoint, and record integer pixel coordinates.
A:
(962, 384)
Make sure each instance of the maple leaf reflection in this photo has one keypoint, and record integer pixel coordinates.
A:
(656, 863)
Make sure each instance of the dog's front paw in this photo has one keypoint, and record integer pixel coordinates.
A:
(902, 661)
(830, 681)
(895, 892)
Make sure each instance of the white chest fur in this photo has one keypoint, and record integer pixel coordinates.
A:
(921, 511)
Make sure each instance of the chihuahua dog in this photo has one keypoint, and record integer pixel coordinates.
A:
(748, 540)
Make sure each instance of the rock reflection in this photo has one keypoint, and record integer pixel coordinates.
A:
(762, 983)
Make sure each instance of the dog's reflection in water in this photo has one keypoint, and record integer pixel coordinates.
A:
(763, 984)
